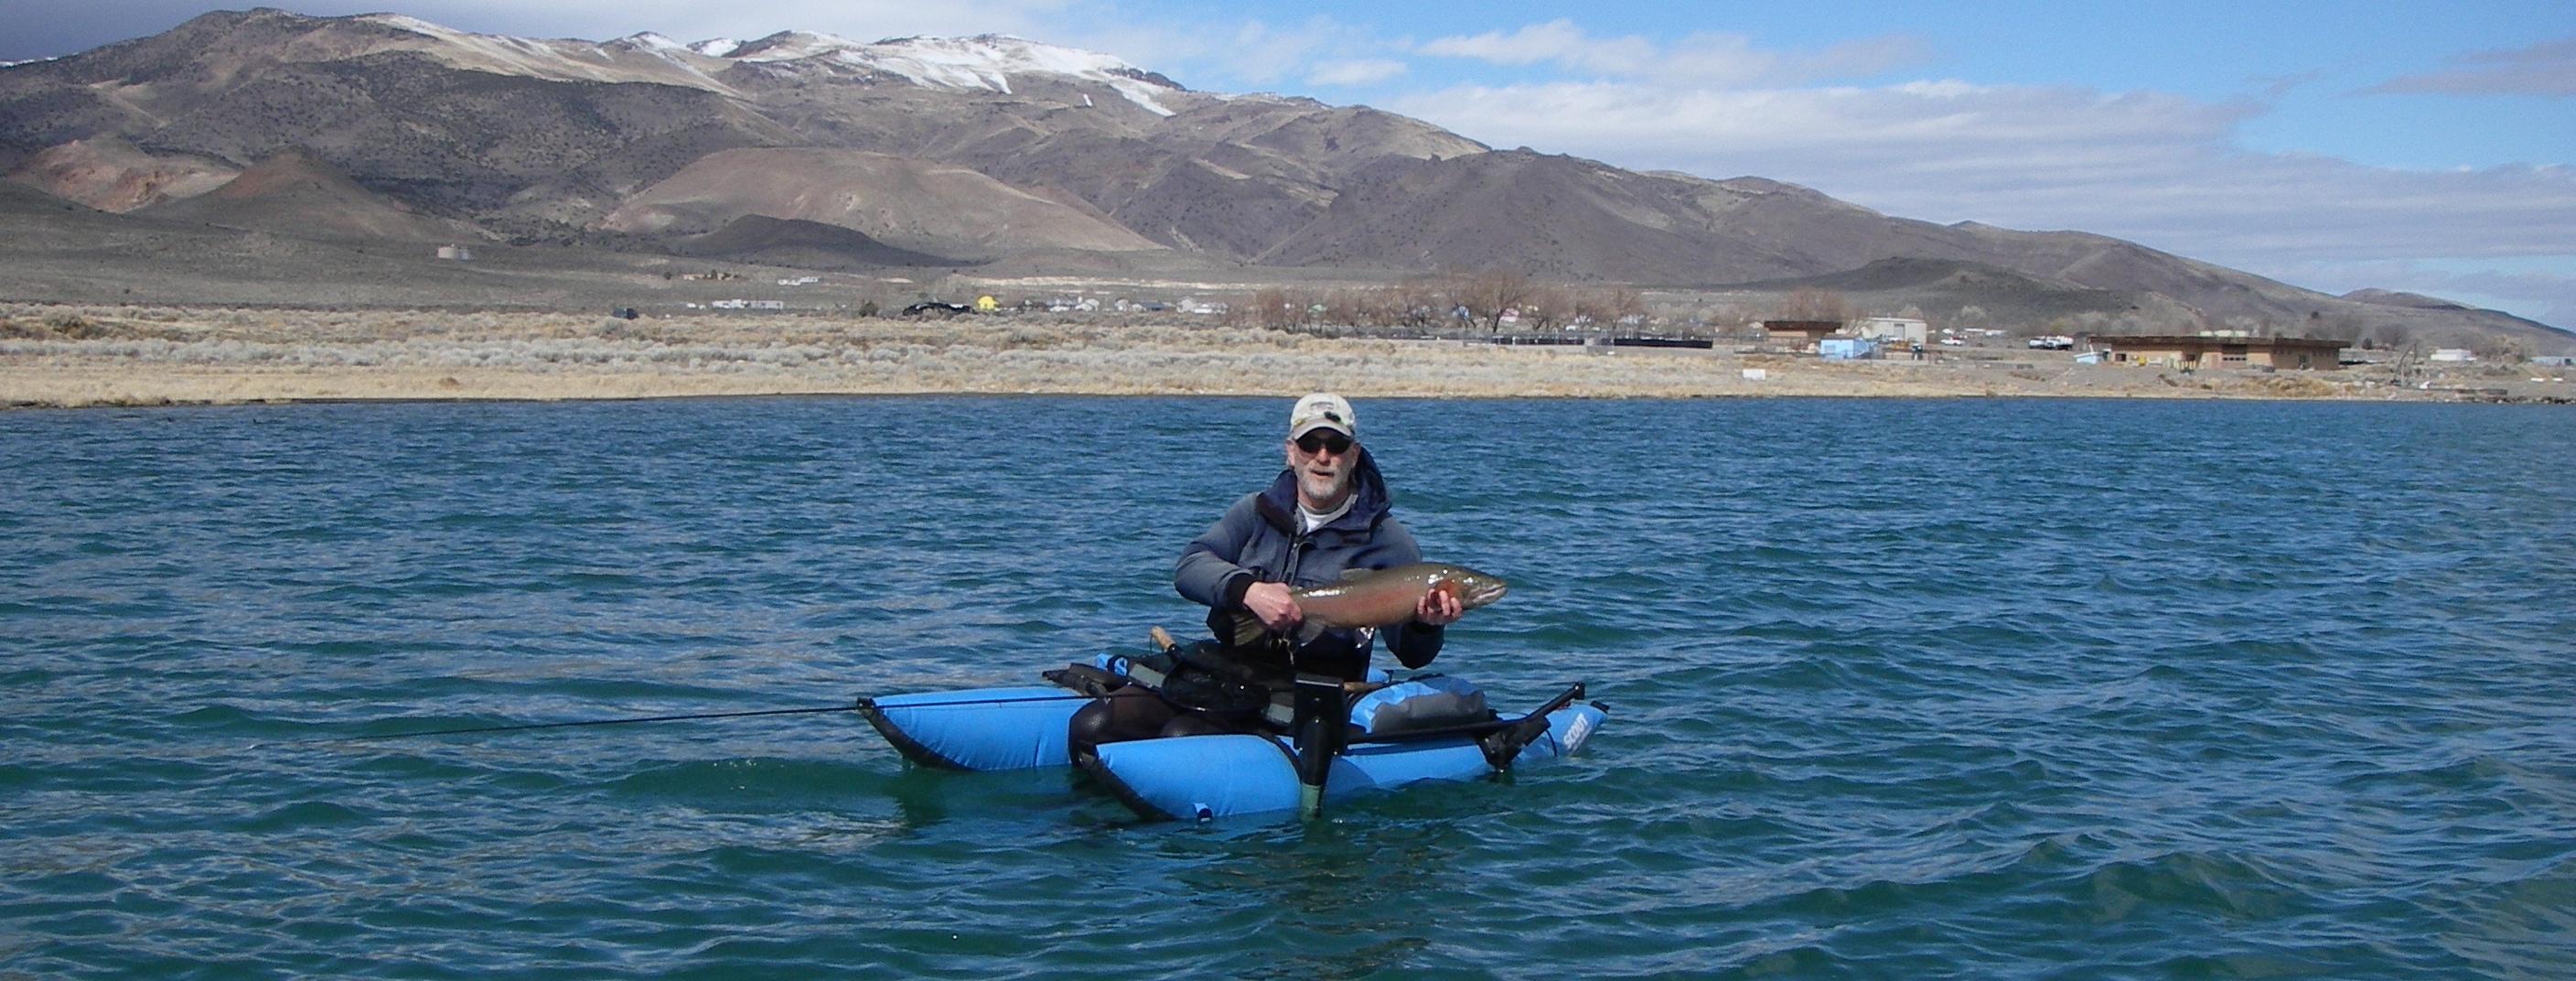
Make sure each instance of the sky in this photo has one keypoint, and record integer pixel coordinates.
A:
(2418, 146)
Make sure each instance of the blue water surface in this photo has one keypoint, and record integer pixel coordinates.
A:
(1918, 689)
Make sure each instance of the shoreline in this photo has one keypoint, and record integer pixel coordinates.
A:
(54, 357)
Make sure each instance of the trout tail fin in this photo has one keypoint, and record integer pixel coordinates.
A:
(1248, 632)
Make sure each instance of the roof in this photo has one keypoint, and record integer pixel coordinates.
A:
(2203, 340)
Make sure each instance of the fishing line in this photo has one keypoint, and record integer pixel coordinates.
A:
(861, 704)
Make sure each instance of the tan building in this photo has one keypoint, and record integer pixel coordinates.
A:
(2221, 351)
(1800, 335)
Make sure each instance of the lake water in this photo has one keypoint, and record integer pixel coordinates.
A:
(1918, 689)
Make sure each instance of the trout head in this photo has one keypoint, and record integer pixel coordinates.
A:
(1472, 588)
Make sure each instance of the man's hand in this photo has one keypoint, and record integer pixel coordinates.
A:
(1271, 604)
(1438, 608)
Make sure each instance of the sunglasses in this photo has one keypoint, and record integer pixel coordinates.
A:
(1323, 439)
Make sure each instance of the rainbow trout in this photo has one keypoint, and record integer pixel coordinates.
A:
(1378, 598)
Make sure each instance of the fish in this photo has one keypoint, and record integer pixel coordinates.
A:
(1378, 598)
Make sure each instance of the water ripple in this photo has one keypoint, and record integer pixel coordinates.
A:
(1974, 688)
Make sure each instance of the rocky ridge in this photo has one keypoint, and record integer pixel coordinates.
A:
(996, 148)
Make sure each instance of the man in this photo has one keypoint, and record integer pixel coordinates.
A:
(1326, 513)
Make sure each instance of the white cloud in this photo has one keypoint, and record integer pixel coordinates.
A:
(1711, 58)
(1236, 57)
(1714, 59)
(1267, 54)
(2546, 68)
(2546, 294)
(1362, 71)
(2161, 169)
(2157, 168)
(1556, 41)
(1912, 130)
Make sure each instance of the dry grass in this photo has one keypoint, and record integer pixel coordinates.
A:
(60, 356)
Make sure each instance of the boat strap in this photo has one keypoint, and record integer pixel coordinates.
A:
(1085, 679)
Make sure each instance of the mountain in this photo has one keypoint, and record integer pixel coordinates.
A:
(296, 193)
(795, 243)
(111, 174)
(1028, 156)
(1567, 218)
(911, 204)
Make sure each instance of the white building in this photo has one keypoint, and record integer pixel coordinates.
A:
(1900, 329)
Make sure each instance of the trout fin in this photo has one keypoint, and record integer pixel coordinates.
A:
(1247, 630)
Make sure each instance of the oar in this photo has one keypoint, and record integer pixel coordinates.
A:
(1504, 745)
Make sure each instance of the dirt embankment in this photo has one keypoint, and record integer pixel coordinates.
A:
(70, 356)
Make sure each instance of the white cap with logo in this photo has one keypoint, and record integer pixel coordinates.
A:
(1323, 410)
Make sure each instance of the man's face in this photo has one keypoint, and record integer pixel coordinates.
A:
(1322, 459)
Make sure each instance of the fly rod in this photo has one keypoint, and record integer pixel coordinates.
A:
(692, 717)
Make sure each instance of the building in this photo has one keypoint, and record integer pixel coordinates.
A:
(2221, 351)
(1800, 335)
(1847, 348)
(1903, 330)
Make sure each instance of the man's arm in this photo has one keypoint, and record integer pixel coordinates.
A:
(1206, 573)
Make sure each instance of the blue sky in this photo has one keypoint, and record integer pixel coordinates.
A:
(2415, 145)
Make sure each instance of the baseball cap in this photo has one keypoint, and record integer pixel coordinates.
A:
(1322, 410)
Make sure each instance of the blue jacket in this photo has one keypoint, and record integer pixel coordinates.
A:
(1257, 541)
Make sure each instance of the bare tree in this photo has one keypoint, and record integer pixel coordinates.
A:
(1487, 294)
(1813, 304)
(1610, 304)
(2506, 350)
(1732, 320)
(1278, 309)
(1547, 307)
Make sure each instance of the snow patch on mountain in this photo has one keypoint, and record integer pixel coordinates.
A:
(985, 62)
(653, 42)
(645, 57)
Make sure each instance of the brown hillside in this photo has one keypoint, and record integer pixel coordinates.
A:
(799, 244)
(910, 204)
(110, 174)
(1568, 218)
(296, 193)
